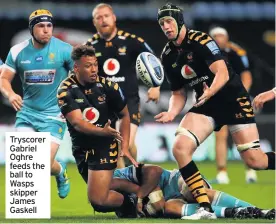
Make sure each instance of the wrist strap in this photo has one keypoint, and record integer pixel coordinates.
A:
(274, 90)
(140, 200)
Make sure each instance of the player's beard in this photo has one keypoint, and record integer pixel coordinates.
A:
(41, 42)
(106, 32)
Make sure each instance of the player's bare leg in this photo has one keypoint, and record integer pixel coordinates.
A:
(193, 129)
(221, 155)
(246, 137)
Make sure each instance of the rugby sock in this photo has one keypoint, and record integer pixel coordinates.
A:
(194, 181)
(61, 169)
(190, 209)
(271, 160)
(222, 199)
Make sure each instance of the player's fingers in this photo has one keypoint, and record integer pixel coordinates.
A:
(199, 103)
(159, 115)
(205, 86)
(16, 106)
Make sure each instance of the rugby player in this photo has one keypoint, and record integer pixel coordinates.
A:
(238, 59)
(117, 51)
(42, 62)
(192, 58)
(88, 101)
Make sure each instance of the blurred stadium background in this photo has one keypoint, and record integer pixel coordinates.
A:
(251, 24)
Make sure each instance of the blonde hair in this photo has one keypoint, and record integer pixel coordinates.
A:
(101, 5)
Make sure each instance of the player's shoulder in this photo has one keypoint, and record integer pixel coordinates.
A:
(18, 48)
(198, 37)
(103, 82)
(124, 35)
(236, 48)
(93, 40)
(67, 84)
(60, 44)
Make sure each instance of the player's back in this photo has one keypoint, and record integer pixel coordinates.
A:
(41, 71)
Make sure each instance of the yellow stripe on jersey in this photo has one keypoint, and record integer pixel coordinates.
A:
(120, 32)
(63, 94)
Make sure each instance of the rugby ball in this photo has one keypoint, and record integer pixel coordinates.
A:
(149, 69)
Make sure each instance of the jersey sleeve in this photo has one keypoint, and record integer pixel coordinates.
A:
(66, 101)
(69, 63)
(116, 98)
(210, 52)
(10, 62)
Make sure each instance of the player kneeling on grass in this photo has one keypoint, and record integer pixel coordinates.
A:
(88, 102)
(162, 192)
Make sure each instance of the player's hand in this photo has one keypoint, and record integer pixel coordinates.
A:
(139, 209)
(16, 101)
(262, 98)
(207, 94)
(109, 131)
(126, 153)
(164, 117)
(153, 94)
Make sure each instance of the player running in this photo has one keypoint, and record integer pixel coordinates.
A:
(42, 62)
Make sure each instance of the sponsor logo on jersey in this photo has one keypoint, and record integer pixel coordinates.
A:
(99, 85)
(91, 115)
(198, 80)
(111, 66)
(39, 77)
(98, 54)
(25, 62)
(213, 47)
(187, 72)
(39, 58)
(79, 100)
(116, 79)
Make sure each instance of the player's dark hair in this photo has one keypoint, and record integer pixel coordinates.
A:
(82, 50)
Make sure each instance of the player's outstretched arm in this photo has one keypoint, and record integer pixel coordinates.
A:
(6, 89)
(176, 105)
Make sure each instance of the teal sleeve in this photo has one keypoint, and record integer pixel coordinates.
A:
(10, 62)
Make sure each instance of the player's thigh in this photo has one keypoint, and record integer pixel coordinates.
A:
(222, 134)
(99, 182)
(193, 130)
(246, 138)
(24, 122)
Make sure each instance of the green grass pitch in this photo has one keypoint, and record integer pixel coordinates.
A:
(75, 208)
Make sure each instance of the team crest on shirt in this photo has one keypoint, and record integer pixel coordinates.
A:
(187, 72)
(111, 66)
(122, 50)
(91, 115)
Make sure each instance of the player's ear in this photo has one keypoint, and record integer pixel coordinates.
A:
(114, 17)
(76, 68)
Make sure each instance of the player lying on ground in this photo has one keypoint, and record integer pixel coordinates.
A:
(162, 192)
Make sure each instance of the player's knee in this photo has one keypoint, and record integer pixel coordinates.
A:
(180, 149)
